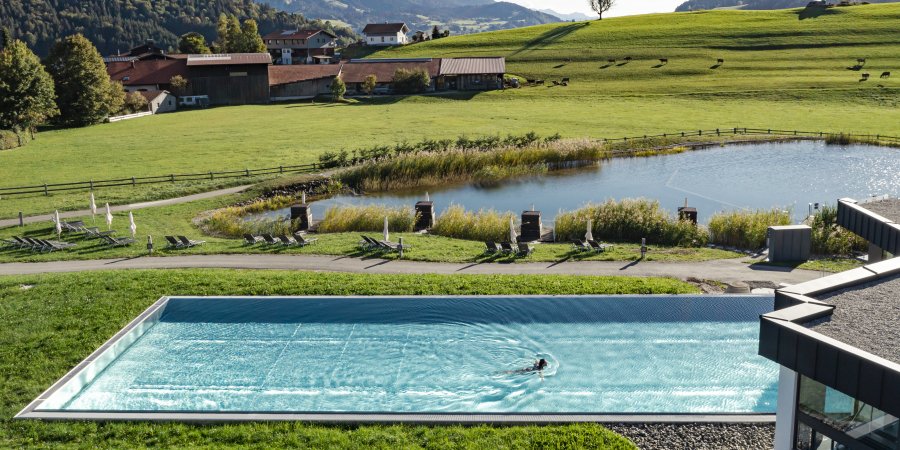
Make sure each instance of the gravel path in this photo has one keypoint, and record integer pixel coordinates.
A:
(698, 436)
(725, 270)
(131, 207)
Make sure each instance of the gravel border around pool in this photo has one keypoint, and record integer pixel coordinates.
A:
(698, 436)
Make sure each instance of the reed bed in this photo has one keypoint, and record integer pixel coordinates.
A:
(468, 165)
(340, 219)
(745, 229)
(484, 225)
(230, 221)
(630, 220)
(828, 238)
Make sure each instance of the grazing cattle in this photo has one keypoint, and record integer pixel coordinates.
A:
(860, 60)
(720, 61)
(611, 61)
(627, 58)
(565, 80)
(663, 60)
(885, 74)
(539, 82)
(865, 76)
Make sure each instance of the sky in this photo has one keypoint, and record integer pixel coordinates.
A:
(621, 8)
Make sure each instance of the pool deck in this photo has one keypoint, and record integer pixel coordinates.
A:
(725, 270)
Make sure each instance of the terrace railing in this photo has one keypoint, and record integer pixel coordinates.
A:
(47, 188)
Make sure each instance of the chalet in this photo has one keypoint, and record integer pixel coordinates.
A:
(301, 46)
(386, 34)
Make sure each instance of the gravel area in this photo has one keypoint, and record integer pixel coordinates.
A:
(866, 316)
(889, 208)
(698, 436)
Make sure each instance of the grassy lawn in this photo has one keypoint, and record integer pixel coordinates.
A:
(821, 265)
(178, 220)
(779, 72)
(50, 322)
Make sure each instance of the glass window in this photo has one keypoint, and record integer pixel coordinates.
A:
(859, 421)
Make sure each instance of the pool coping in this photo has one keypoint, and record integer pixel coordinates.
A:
(30, 411)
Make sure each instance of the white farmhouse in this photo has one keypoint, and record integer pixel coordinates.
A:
(386, 34)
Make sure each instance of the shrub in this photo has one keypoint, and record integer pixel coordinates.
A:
(828, 238)
(134, 102)
(231, 221)
(745, 229)
(9, 139)
(630, 220)
(366, 218)
(408, 81)
(484, 225)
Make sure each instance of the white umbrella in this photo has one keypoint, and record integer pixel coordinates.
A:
(58, 223)
(132, 224)
(589, 236)
(512, 230)
(93, 205)
(303, 198)
(109, 217)
(386, 236)
(427, 197)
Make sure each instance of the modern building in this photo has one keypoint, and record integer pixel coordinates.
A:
(301, 46)
(160, 101)
(837, 340)
(386, 34)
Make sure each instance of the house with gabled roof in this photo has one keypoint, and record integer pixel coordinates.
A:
(300, 46)
(386, 34)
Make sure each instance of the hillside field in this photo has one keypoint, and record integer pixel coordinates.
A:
(779, 72)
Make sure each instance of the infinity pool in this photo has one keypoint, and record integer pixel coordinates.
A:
(607, 354)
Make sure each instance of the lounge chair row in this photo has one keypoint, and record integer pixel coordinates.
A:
(268, 239)
(369, 243)
(35, 244)
(181, 242)
(520, 248)
(590, 246)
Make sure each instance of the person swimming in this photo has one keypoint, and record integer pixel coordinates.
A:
(538, 367)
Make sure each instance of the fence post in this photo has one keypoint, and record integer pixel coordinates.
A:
(45, 189)
(682, 134)
(92, 185)
(795, 132)
(717, 132)
(280, 169)
(133, 182)
(248, 171)
(21, 220)
(172, 177)
(210, 175)
(699, 132)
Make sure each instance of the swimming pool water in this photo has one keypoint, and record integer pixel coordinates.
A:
(614, 354)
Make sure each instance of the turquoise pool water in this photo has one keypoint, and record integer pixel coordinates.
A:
(611, 354)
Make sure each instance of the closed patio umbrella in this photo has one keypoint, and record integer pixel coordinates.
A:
(512, 231)
(58, 224)
(132, 224)
(589, 235)
(109, 217)
(93, 205)
(386, 235)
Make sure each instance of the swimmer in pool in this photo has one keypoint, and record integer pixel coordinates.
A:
(538, 367)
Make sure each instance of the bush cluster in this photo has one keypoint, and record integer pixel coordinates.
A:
(9, 139)
(484, 225)
(367, 218)
(630, 220)
(231, 221)
(828, 238)
(745, 229)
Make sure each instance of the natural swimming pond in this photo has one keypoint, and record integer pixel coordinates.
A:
(606, 354)
(733, 177)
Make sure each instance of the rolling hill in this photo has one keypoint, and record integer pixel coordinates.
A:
(696, 5)
(460, 16)
(120, 24)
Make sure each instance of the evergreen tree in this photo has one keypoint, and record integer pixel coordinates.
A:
(221, 44)
(251, 41)
(435, 32)
(26, 89)
(233, 34)
(84, 93)
(338, 89)
(5, 38)
(192, 43)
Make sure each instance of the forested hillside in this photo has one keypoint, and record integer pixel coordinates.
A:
(119, 24)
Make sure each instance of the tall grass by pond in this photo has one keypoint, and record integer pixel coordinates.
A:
(367, 218)
(745, 229)
(230, 222)
(828, 238)
(630, 220)
(468, 165)
(484, 225)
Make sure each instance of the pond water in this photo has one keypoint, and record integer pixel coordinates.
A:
(784, 174)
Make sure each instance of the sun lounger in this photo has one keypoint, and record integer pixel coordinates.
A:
(392, 247)
(269, 239)
(524, 249)
(74, 227)
(54, 245)
(581, 246)
(506, 247)
(287, 240)
(22, 242)
(116, 242)
(185, 242)
(369, 243)
(173, 242)
(492, 247)
(598, 247)
(33, 244)
(95, 233)
(250, 239)
(302, 241)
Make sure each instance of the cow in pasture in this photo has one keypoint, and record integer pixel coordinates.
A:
(865, 76)
(663, 60)
(720, 61)
(885, 74)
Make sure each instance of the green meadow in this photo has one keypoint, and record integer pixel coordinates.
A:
(780, 70)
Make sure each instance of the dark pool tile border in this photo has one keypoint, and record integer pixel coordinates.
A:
(133, 330)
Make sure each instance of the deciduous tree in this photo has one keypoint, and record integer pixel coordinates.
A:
(601, 6)
(193, 43)
(26, 89)
(369, 84)
(338, 89)
(84, 93)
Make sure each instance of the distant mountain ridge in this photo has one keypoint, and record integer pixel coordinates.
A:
(694, 5)
(120, 24)
(577, 16)
(460, 16)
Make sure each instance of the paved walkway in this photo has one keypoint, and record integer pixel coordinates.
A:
(726, 270)
(102, 210)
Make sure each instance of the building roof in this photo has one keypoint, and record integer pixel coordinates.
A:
(296, 34)
(303, 72)
(356, 71)
(473, 66)
(386, 28)
(133, 73)
(152, 95)
(866, 316)
(229, 59)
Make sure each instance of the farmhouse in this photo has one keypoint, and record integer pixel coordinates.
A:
(300, 46)
(147, 75)
(386, 34)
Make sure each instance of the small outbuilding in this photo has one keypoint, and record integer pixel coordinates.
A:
(472, 74)
(160, 101)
